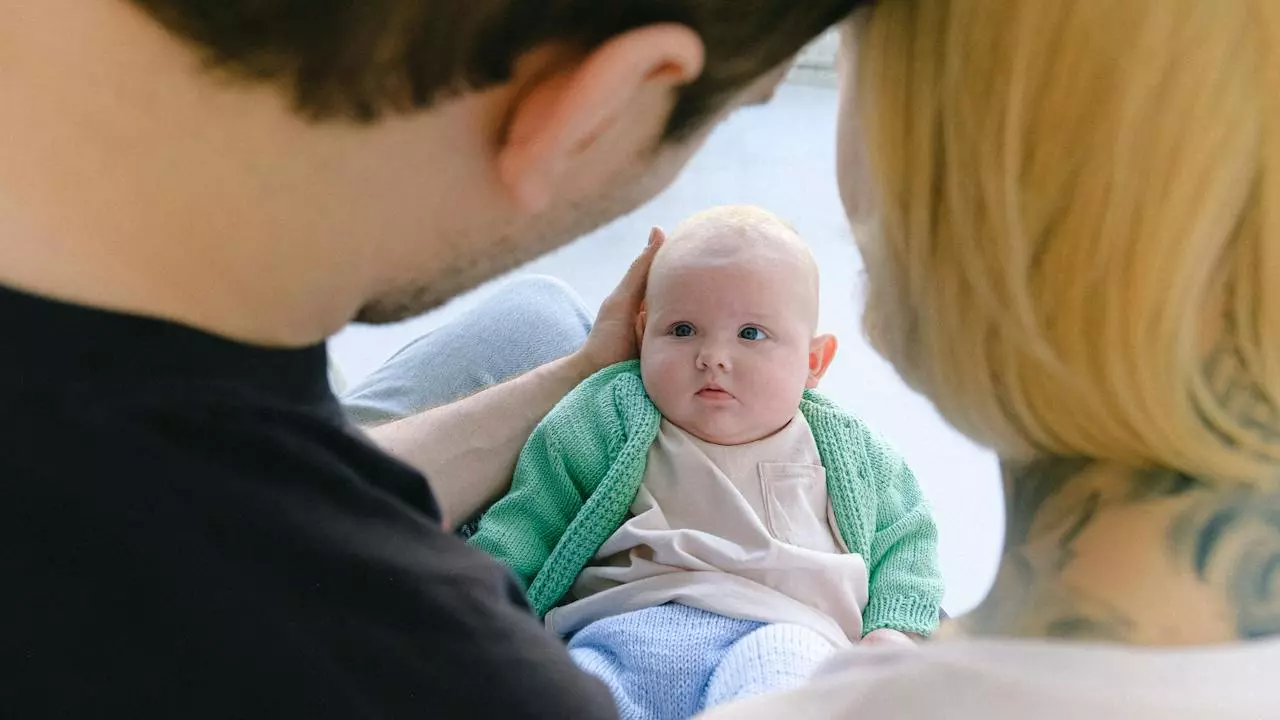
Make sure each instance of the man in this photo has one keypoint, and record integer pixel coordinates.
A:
(193, 195)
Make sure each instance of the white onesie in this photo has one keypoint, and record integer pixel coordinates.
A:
(744, 531)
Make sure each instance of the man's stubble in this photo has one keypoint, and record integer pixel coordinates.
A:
(469, 261)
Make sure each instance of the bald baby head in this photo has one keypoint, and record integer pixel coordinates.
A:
(727, 343)
(749, 239)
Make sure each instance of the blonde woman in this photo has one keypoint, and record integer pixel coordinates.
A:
(1070, 216)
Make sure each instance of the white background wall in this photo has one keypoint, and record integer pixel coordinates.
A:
(782, 157)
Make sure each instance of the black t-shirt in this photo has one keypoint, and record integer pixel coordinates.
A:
(190, 528)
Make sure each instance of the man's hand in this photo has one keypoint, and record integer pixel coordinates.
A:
(613, 336)
(469, 448)
(886, 637)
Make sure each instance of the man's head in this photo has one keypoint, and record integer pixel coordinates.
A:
(405, 150)
(728, 333)
(363, 59)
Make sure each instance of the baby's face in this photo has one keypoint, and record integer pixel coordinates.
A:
(726, 344)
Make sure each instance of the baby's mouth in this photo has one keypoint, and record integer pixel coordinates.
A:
(714, 392)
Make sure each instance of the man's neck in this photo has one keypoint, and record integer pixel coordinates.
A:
(136, 179)
(129, 186)
(1100, 552)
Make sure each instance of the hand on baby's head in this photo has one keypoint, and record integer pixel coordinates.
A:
(728, 340)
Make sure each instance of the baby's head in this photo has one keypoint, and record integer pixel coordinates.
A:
(727, 336)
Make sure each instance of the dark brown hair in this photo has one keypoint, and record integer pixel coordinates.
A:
(361, 58)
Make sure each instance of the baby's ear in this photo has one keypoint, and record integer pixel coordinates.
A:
(822, 350)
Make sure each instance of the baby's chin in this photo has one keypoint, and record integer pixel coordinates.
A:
(725, 433)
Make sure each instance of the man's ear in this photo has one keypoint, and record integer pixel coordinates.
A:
(822, 350)
(560, 114)
(642, 321)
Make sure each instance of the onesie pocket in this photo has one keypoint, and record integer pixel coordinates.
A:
(795, 505)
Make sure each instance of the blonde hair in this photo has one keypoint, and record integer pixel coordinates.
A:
(1076, 246)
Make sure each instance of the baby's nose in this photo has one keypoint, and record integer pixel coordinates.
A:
(713, 355)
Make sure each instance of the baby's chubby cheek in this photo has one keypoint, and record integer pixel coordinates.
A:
(660, 381)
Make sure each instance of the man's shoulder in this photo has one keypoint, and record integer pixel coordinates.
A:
(245, 562)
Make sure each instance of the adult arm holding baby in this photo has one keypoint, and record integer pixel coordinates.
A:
(468, 449)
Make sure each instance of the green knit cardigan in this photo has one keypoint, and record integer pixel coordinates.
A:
(578, 475)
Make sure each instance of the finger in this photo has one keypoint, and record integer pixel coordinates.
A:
(633, 283)
(656, 236)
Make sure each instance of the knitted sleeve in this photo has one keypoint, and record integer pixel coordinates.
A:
(906, 582)
(522, 528)
(557, 471)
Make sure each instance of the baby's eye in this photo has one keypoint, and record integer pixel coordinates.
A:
(752, 333)
(682, 330)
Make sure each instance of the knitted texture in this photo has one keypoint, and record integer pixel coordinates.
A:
(582, 467)
(773, 658)
(673, 661)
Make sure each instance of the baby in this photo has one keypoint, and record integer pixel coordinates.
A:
(701, 524)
